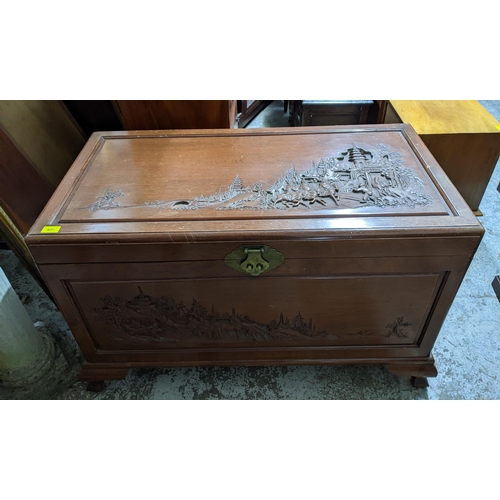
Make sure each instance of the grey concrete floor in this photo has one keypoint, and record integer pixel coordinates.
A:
(467, 351)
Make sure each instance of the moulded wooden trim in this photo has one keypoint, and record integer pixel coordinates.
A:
(313, 249)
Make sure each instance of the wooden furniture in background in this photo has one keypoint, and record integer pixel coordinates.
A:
(45, 133)
(273, 246)
(38, 143)
(463, 137)
(23, 194)
(24, 190)
(319, 113)
(376, 113)
(95, 116)
(163, 115)
(305, 113)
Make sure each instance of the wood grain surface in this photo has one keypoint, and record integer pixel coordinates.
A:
(45, 134)
(149, 115)
(446, 117)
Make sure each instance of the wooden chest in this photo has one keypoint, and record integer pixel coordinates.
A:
(255, 247)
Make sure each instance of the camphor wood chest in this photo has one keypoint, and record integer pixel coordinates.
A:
(255, 247)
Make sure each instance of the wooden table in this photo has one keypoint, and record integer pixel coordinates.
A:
(463, 137)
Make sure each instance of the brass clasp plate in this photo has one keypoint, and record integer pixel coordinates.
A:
(254, 259)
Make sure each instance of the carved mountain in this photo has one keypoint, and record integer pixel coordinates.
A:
(356, 174)
(354, 177)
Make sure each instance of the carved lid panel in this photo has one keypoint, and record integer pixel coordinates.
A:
(252, 177)
(248, 176)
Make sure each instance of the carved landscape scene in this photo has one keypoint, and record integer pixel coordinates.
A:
(163, 319)
(357, 176)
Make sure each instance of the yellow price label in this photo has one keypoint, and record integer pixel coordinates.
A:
(50, 229)
(498, 127)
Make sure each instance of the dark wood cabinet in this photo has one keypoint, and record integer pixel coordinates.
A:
(256, 247)
(317, 113)
(179, 114)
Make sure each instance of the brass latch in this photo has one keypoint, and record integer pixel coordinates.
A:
(254, 260)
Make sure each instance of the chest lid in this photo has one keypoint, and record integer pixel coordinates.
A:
(284, 180)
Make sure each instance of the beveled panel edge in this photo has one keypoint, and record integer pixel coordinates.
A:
(326, 214)
(413, 140)
(268, 200)
(433, 303)
(85, 326)
(153, 134)
(447, 190)
(255, 356)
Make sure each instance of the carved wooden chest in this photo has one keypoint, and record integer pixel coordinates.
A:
(255, 247)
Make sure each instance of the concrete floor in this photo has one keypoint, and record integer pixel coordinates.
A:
(467, 351)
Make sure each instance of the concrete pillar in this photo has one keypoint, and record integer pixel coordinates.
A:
(25, 353)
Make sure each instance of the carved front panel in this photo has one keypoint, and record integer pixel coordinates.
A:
(378, 310)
